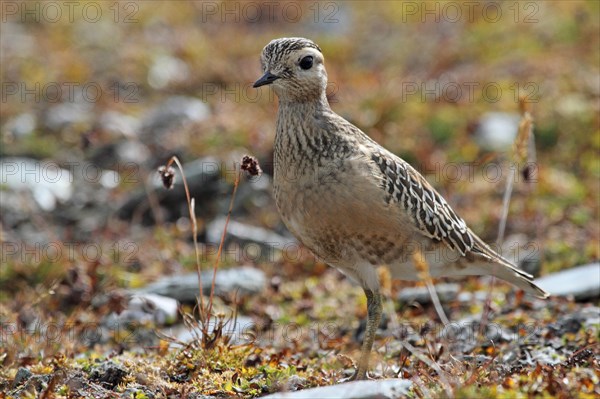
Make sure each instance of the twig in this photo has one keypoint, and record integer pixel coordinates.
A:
(192, 211)
(431, 364)
(212, 287)
(167, 173)
(505, 203)
(523, 148)
(423, 268)
(436, 302)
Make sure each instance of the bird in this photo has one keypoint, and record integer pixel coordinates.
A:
(356, 205)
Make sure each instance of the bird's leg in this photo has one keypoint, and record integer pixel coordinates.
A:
(374, 311)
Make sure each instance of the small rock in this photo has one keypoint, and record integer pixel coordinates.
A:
(15, 209)
(243, 280)
(477, 296)
(21, 126)
(139, 392)
(446, 292)
(294, 383)
(496, 131)
(204, 183)
(109, 374)
(45, 180)
(241, 332)
(264, 240)
(581, 282)
(76, 383)
(545, 355)
(23, 375)
(32, 384)
(119, 124)
(467, 331)
(509, 357)
(174, 112)
(132, 152)
(379, 389)
(590, 316)
(63, 115)
(166, 70)
(146, 306)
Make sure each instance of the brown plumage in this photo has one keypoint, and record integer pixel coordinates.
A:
(352, 202)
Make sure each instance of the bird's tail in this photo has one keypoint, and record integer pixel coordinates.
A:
(498, 266)
(517, 277)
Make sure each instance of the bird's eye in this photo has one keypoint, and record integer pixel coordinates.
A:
(306, 62)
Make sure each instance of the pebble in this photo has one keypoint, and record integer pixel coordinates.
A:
(496, 131)
(581, 282)
(370, 389)
(241, 332)
(23, 375)
(446, 292)
(44, 180)
(160, 309)
(256, 242)
(243, 280)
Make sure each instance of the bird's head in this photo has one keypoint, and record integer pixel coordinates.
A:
(294, 67)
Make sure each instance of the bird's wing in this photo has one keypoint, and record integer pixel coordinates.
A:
(430, 212)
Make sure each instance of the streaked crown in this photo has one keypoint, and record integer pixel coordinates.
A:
(294, 67)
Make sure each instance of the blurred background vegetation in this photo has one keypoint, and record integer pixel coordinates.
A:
(417, 77)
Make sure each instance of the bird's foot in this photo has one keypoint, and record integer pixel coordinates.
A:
(360, 371)
(357, 376)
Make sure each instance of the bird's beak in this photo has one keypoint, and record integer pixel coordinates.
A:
(266, 79)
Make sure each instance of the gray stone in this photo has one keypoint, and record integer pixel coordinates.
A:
(109, 374)
(174, 112)
(256, 242)
(240, 332)
(590, 316)
(166, 70)
(119, 124)
(143, 307)
(477, 296)
(243, 280)
(294, 383)
(32, 384)
(496, 131)
(544, 355)
(132, 152)
(446, 292)
(47, 183)
(23, 375)
(63, 115)
(137, 392)
(205, 184)
(581, 282)
(21, 125)
(375, 389)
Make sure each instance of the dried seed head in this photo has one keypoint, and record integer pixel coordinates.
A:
(250, 165)
(167, 174)
(528, 173)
